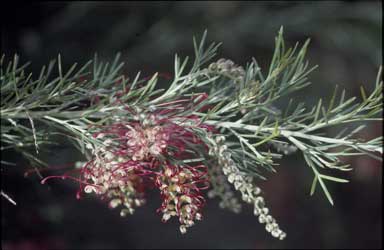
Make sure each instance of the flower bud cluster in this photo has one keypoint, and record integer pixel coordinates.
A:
(180, 188)
(284, 147)
(227, 67)
(244, 184)
(222, 189)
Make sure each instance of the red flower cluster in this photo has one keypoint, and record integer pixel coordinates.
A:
(147, 151)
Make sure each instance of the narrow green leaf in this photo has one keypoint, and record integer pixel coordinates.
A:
(335, 179)
(313, 186)
(326, 192)
(317, 111)
(363, 95)
(332, 101)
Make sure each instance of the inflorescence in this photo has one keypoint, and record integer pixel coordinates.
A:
(242, 182)
(148, 150)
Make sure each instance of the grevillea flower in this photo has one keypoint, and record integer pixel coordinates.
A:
(115, 180)
(141, 151)
(146, 142)
(148, 137)
(137, 140)
(180, 188)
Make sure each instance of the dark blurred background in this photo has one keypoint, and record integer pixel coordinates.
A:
(346, 40)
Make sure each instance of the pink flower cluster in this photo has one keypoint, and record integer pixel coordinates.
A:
(148, 152)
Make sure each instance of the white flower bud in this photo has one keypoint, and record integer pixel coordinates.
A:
(226, 170)
(262, 218)
(124, 212)
(265, 211)
(231, 177)
(239, 178)
(268, 228)
(220, 139)
(89, 189)
(256, 211)
(114, 203)
(188, 209)
(259, 201)
(211, 152)
(139, 202)
(79, 164)
(190, 223)
(183, 229)
(276, 233)
(237, 185)
(245, 197)
(282, 236)
(166, 216)
(222, 149)
(257, 190)
(274, 224)
(270, 220)
(152, 108)
(198, 216)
